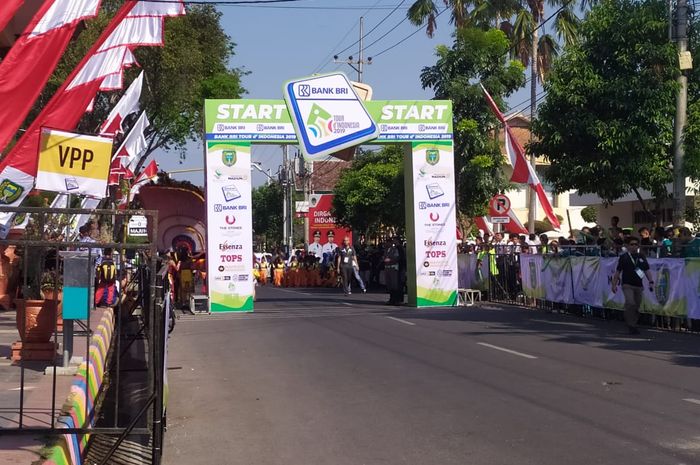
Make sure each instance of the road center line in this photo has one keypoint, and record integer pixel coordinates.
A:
(503, 349)
(401, 321)
(693, 401)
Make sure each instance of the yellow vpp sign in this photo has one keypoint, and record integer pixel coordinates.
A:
(73, 163)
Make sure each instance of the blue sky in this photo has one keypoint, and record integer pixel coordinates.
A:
(278, 44)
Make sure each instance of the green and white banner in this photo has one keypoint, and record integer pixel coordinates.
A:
(269, 121)
(229, 227)
(432, 226)
(587, 281)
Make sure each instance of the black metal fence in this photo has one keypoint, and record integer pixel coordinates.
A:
(117, 394)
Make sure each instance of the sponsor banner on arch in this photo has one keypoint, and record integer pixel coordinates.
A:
(229, 227)
(433, 225)
(269, 121)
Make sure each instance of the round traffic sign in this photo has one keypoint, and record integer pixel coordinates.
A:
(499, 205)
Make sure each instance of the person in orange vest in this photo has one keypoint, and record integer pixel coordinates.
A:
(293, 272)
(263, 271)
(278, 272)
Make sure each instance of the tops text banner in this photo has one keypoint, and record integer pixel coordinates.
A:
(73, 163)
(269, 121)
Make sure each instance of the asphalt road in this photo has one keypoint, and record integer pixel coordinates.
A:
(314, 379)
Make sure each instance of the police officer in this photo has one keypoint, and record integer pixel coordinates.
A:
(392, 271)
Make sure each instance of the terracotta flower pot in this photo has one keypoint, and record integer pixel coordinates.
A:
(35, 319)
(52, 295)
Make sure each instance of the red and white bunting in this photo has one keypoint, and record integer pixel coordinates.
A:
(128, 104)
(135, 24)
(8, 10)
(523, 171)
(30, 62)
(149, 173)
(134, 143)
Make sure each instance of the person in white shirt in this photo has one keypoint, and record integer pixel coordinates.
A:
(315, 248)
(329, 248)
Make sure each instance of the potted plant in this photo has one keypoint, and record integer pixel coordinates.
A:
(36, 316)
(52, 290)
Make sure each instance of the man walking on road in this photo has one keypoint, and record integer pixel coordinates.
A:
(392, 272)
(634, 267)
(347, 261)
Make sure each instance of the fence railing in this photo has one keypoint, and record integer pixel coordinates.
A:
(33, 261)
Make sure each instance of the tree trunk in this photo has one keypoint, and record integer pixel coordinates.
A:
(532, 210)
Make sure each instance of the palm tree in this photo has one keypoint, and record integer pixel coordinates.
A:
(524, 32)
(426, 11)
(539, 52)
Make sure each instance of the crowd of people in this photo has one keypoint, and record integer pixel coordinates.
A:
(658, 242)
(336, 266)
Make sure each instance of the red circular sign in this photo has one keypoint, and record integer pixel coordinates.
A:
(499, 205)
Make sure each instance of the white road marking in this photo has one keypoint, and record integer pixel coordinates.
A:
(401, 321)
(295, 292)
(693, 401)
(503, 349)
(346, 303)
(26, 388)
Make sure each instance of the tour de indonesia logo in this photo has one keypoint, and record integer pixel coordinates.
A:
(229, 157)
(432, 156)
(320, 122)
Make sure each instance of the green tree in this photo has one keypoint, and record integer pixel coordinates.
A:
(193, 66)
(370, 194)
(476, 56)
(610, 104)
(267, 202)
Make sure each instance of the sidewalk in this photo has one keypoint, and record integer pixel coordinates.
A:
(37, 408)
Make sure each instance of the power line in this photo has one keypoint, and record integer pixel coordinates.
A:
(321, 65)
(373, 29)
(402, 40)
(221, 2)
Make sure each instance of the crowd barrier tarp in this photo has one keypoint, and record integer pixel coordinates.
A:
(692, 286)
(531, 276)
(556, 277)
(469, 276)
(587, 281)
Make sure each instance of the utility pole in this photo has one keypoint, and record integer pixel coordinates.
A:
(685, 63)
(284, 175)
(359, 64)
(532, 206)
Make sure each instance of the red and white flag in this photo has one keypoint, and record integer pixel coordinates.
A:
(523, 172)
(135, 24)
(149, 173)
(118, 171)
(128, 104)
(8, 10)
(30, 62)
(134, 143)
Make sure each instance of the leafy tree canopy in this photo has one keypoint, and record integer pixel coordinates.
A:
(194, 65)
(370, 194)
(476, 56)
(267, 201)
(607, 123)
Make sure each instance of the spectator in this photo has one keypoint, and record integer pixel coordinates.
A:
(690, 246)
(533, 242)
